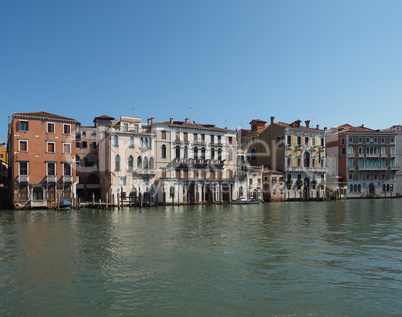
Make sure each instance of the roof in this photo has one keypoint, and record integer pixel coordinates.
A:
(346, 128)
(245, 132)
(195, 125)
(42, 114)
(272, 172)
(103, 117)
(292, 125)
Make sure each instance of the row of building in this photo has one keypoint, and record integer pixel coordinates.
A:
(49, 156)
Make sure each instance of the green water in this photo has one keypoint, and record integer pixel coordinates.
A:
(274, 259)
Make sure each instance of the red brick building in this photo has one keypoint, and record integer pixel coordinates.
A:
(41, 151)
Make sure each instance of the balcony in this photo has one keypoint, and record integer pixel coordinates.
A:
(23, 179)
(145, 171)
(183, 162)
(68, 178)
(217, 163)
(217, 143)
(394, 168)
(301, 169)
(373, 155)
(51, 179)
(200, 163)
(377, 168)
(199, 142)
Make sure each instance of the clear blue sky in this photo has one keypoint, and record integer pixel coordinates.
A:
(328, 61)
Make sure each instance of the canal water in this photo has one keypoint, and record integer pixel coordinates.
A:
(275, 259)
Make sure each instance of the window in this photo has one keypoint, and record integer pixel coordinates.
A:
(163, 151)
(251, 182)
(350, 140)
(131, 142)
(125, 127)
(392, 150)
(163, 135)
(298, 140)
(66, 129)
(383, 150)
(37, 193)
(22, 126)
(195, 153)
(23, 168)
(185, 135)
(289, 163)
(322, 142)
(360, 140)
(203, 153)
(77, 144)
(298, 162)
(273, 180)
(313, 141)
(367, 140)
(117, 163)
(84, 144)
(343, 141)
(122, 180)
(185, 152)
(230, 140)
(343, 150)
(84, 133)
(230, 155)
(350, 150)
(177, 152)
(50, 147)
(67, 169)
(376, 140)
(130, 163)
(306, 141)
(139, 162)
(145, 163)
(51, 169)
(94, 145)
(289, 140)
(219, 154)
(136, 128)
(392, 140)
(212, 154)
(23, 145)
(115, 140)
(66, 148)
(151, 163)
(50, 127)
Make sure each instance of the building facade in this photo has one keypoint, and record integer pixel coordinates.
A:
(297, 151)
(195, 163)
(41, 153)
(127, 161)
(364, 160)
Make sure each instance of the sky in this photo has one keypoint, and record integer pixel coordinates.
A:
(223, 62)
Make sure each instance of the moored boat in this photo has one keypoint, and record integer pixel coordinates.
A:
(65, 205)
(244, 201)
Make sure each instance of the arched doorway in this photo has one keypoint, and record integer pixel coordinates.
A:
(306, 190)
(372, 189)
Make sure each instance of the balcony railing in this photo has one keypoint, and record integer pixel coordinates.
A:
(51, 178)
(68, 178)
(23, 179)
(145, 171)
(296, 169)
(371, 168)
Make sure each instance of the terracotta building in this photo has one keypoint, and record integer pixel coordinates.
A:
(41, 153)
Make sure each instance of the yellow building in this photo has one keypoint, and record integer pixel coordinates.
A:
(3, 154)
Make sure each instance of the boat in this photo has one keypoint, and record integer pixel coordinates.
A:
(244, 201)
(65, 205)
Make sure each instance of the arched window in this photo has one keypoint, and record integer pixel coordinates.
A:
(212, 154)
(151, 163)
(141, 143)
(360, 150)
(145, 163)
(351, 188)
(383, 150)
(149, 143)
(219, 154)
(130, 163)
(230, 155)
(241, 190)
(131, 142)
(163, 151)
(355, 188)
(359, 188)
(185, 152)
(306, 159)
(351, 150)
(115, 140)
(392, 150)
(178, 152)
(203, 153)
(195, 152)
(139, 162)
(117, 163)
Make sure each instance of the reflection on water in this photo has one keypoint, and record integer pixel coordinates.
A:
(279, 259)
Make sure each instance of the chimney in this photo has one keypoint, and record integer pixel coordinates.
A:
(307, 123)
(272, 119)
(150, 121)
(318, 127)
(186, 120)
(362, 125)
(171, 120)
(325, 128)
